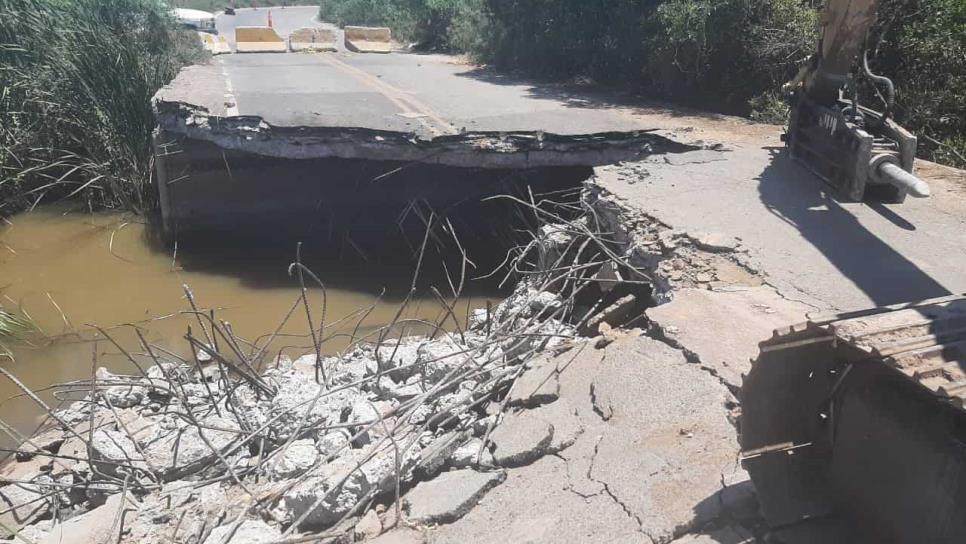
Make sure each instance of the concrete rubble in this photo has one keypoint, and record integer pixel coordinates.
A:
(449, 497)
(517, 429)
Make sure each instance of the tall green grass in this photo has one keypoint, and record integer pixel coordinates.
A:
(14, 329)
(76, 81)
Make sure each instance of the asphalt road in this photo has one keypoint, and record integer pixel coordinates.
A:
(430, 95)
(813, 247)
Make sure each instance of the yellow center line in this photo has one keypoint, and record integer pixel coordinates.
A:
(406, 103)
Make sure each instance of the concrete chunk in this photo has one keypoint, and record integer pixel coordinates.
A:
(566, 425)
(298, 458)
(520, 439)
(538, 385)
(22, 504)
(369, 527)
(249, 532)
(342, 483)
(466, 455)
(614, 315)
(94, 526)
(450, 496)
(694, 318)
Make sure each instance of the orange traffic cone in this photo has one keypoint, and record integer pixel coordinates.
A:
(269, 18)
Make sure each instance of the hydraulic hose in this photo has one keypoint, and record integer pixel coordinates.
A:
(876, 79)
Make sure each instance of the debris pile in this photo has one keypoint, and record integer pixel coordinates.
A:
(233, 444)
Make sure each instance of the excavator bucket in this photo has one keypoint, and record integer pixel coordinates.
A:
(860, 418)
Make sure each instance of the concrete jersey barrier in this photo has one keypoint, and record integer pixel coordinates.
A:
(258, 39)
(364, 39)
(216, 45)
(312, 39)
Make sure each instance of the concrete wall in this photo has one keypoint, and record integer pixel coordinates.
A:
(258, 39)
(363, 39)
(205, 186)
(312, 39)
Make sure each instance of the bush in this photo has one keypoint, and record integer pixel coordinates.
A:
(924, 52)
(75, 112)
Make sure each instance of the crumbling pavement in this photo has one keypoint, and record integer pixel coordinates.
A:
(528, 430)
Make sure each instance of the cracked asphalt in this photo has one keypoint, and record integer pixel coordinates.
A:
(657, 458)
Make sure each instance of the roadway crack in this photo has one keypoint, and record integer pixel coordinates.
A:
(605, 488)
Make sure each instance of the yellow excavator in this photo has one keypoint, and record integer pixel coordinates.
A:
(855, 423)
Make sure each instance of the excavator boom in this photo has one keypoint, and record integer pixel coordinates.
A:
(863, 153)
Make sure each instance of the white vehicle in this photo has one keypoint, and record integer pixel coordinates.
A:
(202, 21)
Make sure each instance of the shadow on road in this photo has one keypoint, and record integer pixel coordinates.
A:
(592, 96)
(885, 275)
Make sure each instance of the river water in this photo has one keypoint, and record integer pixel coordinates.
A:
(70, 271)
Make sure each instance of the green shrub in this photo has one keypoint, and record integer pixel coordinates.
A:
(924, 52)
(769, 107)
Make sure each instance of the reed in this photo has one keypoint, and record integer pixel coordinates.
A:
(13, 329)
(76, 82)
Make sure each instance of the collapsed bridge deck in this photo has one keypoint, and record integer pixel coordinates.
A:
(399, 108)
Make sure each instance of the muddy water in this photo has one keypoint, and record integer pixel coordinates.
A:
(70, 271)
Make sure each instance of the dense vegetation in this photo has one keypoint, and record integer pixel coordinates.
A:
(76, 81)
(731, 55)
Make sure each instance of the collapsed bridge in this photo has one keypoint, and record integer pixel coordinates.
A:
(251, 135)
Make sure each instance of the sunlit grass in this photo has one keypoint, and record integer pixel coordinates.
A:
(14, 329)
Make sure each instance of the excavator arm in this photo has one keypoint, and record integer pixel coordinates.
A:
(861, 152)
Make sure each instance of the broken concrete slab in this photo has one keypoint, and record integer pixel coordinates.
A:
(167, 445)
(369, 527)
(434, 456)
(614, 315)
(562, 416)
(672, 415)
(716, 242)
(535, 506)
(520, 439)
(339, 486)
(13, 470)
(187, 129)
(295, 460)
(247, 532)
(48, 441)
(101, 524)
(466, 455)
(23, 504)
(450, 496)
(694, 319)
(537, 385)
